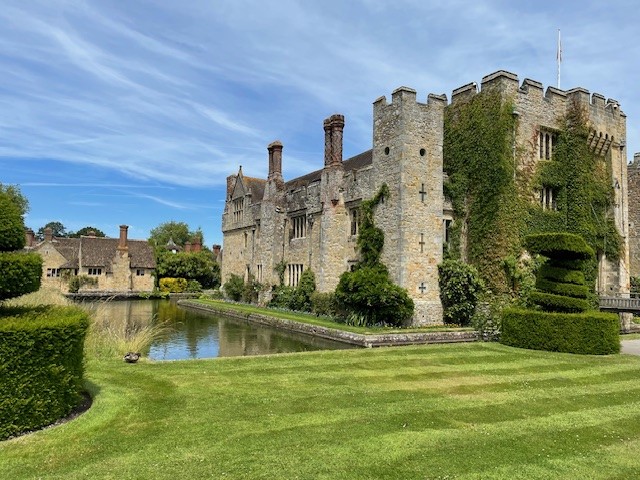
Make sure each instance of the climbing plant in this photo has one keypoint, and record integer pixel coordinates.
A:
(581, 182)
(367, 296)
(479, 158)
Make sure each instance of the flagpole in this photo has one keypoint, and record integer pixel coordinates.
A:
(559, 57)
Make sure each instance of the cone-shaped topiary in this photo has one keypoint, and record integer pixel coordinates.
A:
(560, 285)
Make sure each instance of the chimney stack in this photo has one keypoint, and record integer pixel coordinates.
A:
(123, 243)
(30, 237)
(48, 234)
(275, 160)
(187, 246)
(333, 133)
(197, 244)
(216, 251)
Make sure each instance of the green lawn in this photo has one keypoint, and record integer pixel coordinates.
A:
(438, 411)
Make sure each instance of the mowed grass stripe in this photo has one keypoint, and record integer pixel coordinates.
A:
(428, 412)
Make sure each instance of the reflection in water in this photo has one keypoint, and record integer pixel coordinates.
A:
(194, 334)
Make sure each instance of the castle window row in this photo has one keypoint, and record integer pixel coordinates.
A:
(294, 270)
(238, 209)
(546, 142)
(53, 272)
(548, 199)
(299, 226)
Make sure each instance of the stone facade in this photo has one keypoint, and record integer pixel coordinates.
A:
(634, 216)
(311, 221)
(117, 264)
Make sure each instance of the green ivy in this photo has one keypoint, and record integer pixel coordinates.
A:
(582, 186)
(479, 160)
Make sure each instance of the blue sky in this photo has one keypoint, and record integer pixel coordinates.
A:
(134, 112)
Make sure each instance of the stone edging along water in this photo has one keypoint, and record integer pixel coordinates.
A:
(359, 339)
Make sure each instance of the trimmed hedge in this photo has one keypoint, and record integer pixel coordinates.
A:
(560, 288)
(21, 273)
(561, 274)
(567, 246)
(41, 373)
(591, 333)
(173, 285)
(559, 303)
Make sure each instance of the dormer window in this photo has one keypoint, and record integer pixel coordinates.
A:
(238, 209)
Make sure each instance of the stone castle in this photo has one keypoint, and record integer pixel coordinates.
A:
(312, 221)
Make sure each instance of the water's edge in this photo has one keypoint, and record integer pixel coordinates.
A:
(358, 339)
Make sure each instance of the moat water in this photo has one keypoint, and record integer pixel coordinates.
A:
(194, 334)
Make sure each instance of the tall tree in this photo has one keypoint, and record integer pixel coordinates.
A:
(86, 231)
(177, 231)
(21, 272)
(16, 197)
(57, 228)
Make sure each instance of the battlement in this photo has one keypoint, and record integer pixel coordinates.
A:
(405, 96)
(507, 84)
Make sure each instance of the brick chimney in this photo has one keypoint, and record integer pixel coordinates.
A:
(187, 246)
(216, 250)
(123, 244)
(29, 237)
(333, 133)
(48, 234)
(197, 244)
(275, 160)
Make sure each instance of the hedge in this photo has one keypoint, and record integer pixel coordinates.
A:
(173, 285)
(560, 288)
(564, 275)
(41, 373)
(559, 303)
(21, 273)
(590, 333)
(559, 245)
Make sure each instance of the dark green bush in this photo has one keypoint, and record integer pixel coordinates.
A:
(559, 288)
(561, 274)
(20, 273)
(193, 286)
(234, 287)
(323, 304)
(591, 333)
(282, 297)
(460, 288)
(251, 291)
(304, 290)
(566, 246)
(559, 303)
(369, 294)
(41, 372)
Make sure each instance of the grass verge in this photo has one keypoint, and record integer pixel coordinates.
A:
(447, 411)
(312, 319)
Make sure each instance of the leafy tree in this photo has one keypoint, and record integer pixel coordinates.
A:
(84, 232)
(18, 199)
(177, 231)
(57, 229)
(200, 266)
(21, 272)
(234, 287)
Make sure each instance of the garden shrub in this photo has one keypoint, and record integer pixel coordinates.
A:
(304, 290)
(282, 297)
(460, 288)
(250, 291)
(369, 294)
(323, 304)
(234, 287)
(193, 286)
(591, 333)
(42, 366)
(173, 285)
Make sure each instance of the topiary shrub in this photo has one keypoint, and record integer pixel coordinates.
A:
(234, 287)
(591, 333)
(42, 366)
(460, 288)
(560, 282)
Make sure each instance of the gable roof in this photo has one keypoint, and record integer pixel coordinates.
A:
(354, 163)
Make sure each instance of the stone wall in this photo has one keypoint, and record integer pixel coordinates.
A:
(634, 216)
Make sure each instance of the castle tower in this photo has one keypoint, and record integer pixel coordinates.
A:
(407, 156)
